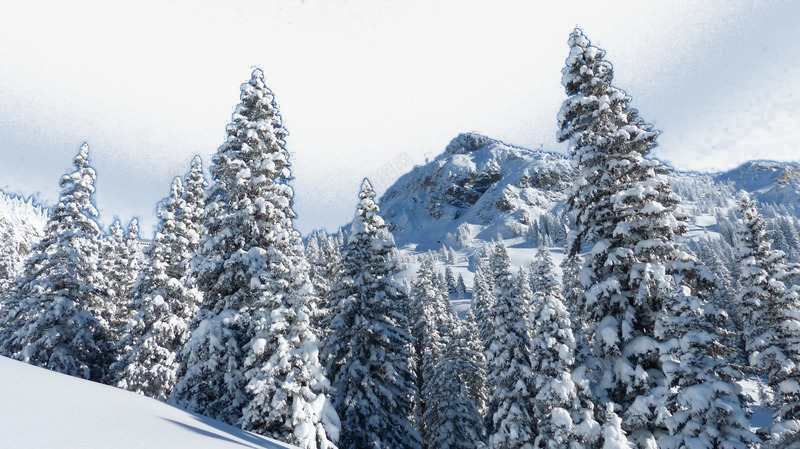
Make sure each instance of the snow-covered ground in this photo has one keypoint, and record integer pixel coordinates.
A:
(43, 409)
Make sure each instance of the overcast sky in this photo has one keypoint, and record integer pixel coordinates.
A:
(363, 85)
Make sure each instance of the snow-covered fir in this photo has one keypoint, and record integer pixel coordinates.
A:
(256, 315)
(368, 350)
(52, 317)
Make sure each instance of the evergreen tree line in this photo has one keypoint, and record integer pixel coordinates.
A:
(641, 344)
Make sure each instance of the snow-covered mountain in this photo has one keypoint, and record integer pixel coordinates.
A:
(21, 225)
(767, 181)
(477, 188)
(43, 409)
(21, 220)
(480, 188)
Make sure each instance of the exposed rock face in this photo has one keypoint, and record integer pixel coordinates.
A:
(477, 181)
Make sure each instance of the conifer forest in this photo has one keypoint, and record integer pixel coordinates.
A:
(495, 297)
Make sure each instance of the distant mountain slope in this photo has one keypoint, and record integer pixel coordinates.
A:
(767, 181)
(485, 186)
(480, 188)
(43, 409)
(21, 226)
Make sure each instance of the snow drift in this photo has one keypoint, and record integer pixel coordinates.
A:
(43, 409)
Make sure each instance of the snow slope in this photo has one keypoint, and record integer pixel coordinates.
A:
(43, 409)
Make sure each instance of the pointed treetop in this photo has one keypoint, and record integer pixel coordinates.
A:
(578, 38)
(133, 228)
(82, 158)
(254, 85)
(366, 189)
(176, 189)
(585, 68)
(115, 228)
(197, 162)
(743, 197)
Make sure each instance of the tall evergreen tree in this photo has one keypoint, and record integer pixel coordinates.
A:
(325, 259)
(510, 424)
(118, 272)
(764, 272)
(560, 416)
(571, 266)
(461, 287)
(192, 214)
(368, 350)
(229, 258)
(53, 325)
(624, 210)
(624, 282)
(163, 308)
(133, 251)
(770, 307)
(431, 324)
(474, 371)
(483, 299)
(452, 416)
(256, 290)
(450, 281)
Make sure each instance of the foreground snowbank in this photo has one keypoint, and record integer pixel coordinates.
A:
(43, 409)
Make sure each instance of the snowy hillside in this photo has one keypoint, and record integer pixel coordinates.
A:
(43, 409)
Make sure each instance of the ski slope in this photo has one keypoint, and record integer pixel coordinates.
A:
(43, 409)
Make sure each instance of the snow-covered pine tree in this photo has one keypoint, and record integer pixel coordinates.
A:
(461, 287)
(543, 277)
(571, 285)
(771, 316)
(133, 252)
(475, 362)
(509, 378)
(624, 210)
(52, 325)
(561, 419)
(369, 348)
(325, 259)
(483, 299)
(192, 214)
(173, 232)
(119, 275)
(211, 375)
(701, 407)
(162, 306)
(450, 280)
(452, 416)
(431, 326)
(255, 316)
(763, 275)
